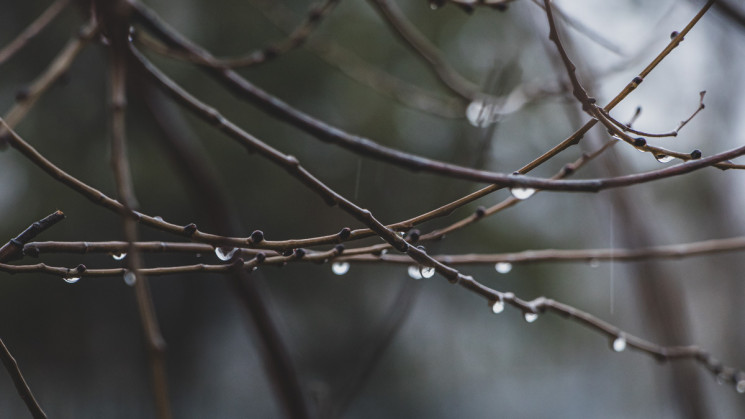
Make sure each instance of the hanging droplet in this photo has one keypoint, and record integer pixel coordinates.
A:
(414, 272)
(222, 254)
(340, 268)
(480, 113)
(740, 387)
(594, 263)
(530, 317)
(427, 272)
(497, 307)
(619, 344)
(721, 379)
(130, 278)
(71, 279)
(663, 158)
(503, 267)
(522, 193)
(118, 256)
(158, 217)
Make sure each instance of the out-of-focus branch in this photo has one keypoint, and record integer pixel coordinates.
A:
(194, 168)
(114, 17)
(23, 390)
(32, 30)
(368, 74)
(413, 39)
(11, 250)
(27, 97)
(298, 36)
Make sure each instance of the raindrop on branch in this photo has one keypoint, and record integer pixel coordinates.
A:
(427, 272)
(224, 255)
(340, 268)
(663, 158)
(414, 272)
(619, 344)
(740, 387)
(71, 279)
(497, 307)
(530, 317)
(118, 256)
(503, 267)
(130, 278)
(522, 193)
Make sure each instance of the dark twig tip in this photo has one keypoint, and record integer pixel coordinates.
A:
(696, 154)
(639, 142)
(80, 268)
(299, 253)
(260, 257)
(480, 211)
(339, 249)
(414, 235)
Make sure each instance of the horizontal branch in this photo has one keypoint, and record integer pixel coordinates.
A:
(675, 251)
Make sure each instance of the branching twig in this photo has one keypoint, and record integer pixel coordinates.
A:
(298, 36)
(13, 249)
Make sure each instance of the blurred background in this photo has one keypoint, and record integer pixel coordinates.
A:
(81, 348)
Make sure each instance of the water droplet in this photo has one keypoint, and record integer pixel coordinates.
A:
(497, 307)
(414, 272)
(530, 317)
(71, 279)
(619, 344)
(130, 278)
(222, 254)
(340, 268)
(740, 387)
(118, 256)
(663, 158)
(594, 263)
(158, 217)
(503, 267)
(480, 114)
(721, 379)
(427, 272)
(522, 193)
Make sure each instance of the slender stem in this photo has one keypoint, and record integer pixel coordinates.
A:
(125, 190)
(23, 390)
(32, 30)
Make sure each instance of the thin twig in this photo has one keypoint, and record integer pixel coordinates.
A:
(298, 36)
(13, 249)
(23, 390)
(125, 191)
(32, 30)
(412, 38)
(59, 65)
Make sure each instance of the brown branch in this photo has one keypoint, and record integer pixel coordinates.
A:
(125, 190)
(295, 39)
(360, 71)
(20, 383)
(413, 39)
(13, 249)
(368, 148)
(207, 193)
(32, 30)
(675, 251)
(52, 73)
